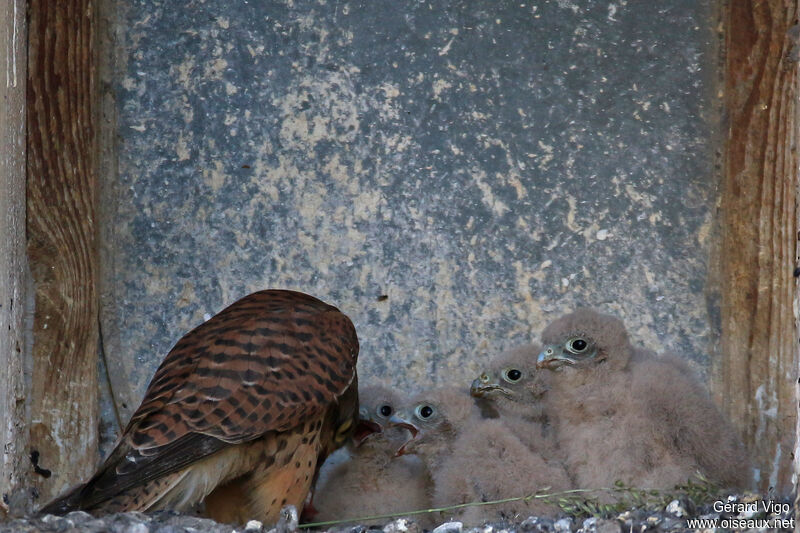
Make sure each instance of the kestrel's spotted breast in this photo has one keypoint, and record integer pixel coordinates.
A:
(243, 409)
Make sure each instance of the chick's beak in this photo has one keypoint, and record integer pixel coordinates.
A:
(482, 386)
(478, 387)
(551, 358)
(399, 422)
(365, 428)
(541, 360)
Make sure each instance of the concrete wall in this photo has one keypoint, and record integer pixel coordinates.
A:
(451, 174)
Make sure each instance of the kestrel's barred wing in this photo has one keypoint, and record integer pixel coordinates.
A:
(264, 365)
(259, 365)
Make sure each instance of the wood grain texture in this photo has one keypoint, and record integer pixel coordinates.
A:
(61, 201)
(13, 430)
(758, 240)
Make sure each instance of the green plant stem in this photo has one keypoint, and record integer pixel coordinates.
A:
(527, 498)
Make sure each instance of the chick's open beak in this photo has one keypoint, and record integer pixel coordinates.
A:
(365, 428)
(399, 422)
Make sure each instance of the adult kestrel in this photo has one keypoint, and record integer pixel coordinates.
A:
(623, 413)
(241, 413)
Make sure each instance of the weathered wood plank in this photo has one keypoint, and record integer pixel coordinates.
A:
(758, 241)
(13, 389)
(62, 244)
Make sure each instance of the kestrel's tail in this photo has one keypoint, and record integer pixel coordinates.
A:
(68, 502)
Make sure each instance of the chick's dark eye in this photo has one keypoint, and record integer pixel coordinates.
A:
(424, 411)
(385, 410)
(514, 374)
(578, 345)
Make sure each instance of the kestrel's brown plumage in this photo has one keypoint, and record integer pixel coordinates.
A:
(240, 413)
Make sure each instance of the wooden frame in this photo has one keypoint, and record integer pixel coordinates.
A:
(758, 218)
(62, 241)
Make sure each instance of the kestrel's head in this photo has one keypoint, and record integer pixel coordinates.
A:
(377, 404)
(435, 418)
(584, 339)
(513, 382)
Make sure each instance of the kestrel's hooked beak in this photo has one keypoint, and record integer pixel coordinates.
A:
(482, 387)
(396, 421)
(553, 357)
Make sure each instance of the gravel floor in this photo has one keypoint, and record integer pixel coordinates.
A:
(677, 516)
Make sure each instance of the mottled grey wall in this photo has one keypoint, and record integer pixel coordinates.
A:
(485, 164)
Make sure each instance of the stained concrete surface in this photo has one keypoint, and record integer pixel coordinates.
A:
(451, 174)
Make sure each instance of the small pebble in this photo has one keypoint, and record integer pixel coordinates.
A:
(604, 525)
(676, 509)
(288, 521)
(254, 525)
(589, 525)
(137, 528)
(78, 517)
(535, 524)
(52, 519)
(170, 529)
(563, 526)
(449, 527)
(402, 525)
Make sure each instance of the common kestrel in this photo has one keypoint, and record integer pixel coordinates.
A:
(518, 392)
(372, 480)
(517, 389)
(472, 459)
(241, 413)
(623, 413)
